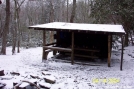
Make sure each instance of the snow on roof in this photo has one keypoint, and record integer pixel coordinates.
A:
(81, 27)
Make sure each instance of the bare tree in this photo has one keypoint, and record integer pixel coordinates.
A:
(73, 11)
(1, 21)
(67, 10)
(83, 11)
(16, 31)
(0, 1)
(6, 28)
(51, 19)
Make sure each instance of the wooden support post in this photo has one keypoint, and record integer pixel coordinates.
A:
(44, 43)
(72, 54)
(54, 52)
(109, 50)
(122, 40)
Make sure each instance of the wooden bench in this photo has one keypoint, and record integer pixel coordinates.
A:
(93, 51)
(92, 55)
(54, 49)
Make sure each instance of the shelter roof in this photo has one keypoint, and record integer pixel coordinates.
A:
(63, 26)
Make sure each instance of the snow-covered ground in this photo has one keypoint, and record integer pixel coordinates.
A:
(82, 75)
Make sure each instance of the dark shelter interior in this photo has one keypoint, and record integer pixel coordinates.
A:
(85, 44)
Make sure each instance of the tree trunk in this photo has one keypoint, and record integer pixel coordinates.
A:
(14, 40)
(51, 19)
(6, 28)
(126, 26)
(18, 50)
(15, 29)
(18, 26)
(0, 2)
(131, 38)
(67, 10)
(1, 25)
(73, 11)
(126, 39)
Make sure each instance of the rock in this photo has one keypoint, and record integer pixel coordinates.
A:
(16, 81)
(2, 85)
(45, 85)
(132, 56)
(2, 73)
(50, 79)
(6, 77)
(26, 83)
(33, 81)
(35, 77)
(46, 73)
(129, 54)
(15, 73)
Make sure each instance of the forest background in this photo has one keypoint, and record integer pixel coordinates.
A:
(17, 15)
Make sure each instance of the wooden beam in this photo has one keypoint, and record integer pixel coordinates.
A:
(86, 50)
(50, 44)
(122, 40)
(57, 48)
(72, 54)
(44, 43)
(109, 50)
(86, 56)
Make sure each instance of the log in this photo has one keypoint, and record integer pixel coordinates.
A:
(2, 73)
(57, 48)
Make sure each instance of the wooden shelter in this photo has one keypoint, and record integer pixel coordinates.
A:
(81, 40)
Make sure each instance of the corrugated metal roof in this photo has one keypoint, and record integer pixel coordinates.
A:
(81, 27)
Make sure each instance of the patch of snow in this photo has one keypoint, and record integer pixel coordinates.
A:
(77, 76)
